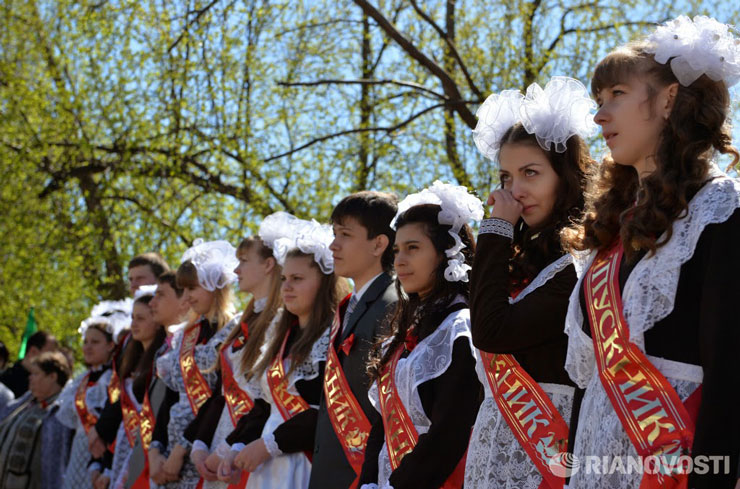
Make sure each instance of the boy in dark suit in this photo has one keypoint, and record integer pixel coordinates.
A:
(362, 251)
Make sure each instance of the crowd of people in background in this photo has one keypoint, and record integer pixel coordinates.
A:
(593, 318)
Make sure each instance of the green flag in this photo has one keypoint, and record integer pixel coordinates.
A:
(30, 329)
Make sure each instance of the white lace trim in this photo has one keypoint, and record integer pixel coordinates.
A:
(544, 276)
(541, 279)
(495, 456)
(307, 370)
(650, 291)
(271, 445)
(95, 398)
(259, 305)
(430, 359)
(375, 486)
(165, 364)
(494, 225)
(600, 433)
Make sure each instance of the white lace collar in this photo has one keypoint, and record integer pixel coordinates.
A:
(259, 304)
(309, 368)
(650, 290)
(544, 276)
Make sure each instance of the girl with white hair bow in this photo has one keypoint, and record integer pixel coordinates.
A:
(206, 276)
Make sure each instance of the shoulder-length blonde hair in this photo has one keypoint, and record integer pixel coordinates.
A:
(257, 322)
(222, 309)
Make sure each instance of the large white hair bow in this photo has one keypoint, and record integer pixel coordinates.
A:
(458, 207)
(283, 232)
(703, 46)
(553, 114)
(114, 315)
(215, 262)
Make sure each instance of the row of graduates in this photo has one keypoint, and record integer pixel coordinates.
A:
(594, 315)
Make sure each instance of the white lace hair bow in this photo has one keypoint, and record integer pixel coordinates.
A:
(283, 232)
(458, 207)
(215, 262)
(703, 46)
(115, 315)
(144, 290)
(553, 114)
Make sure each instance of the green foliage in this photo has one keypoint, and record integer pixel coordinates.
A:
(129, 126)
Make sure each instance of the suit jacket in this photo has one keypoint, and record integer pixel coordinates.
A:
(330, 468)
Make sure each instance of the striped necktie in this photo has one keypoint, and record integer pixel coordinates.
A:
(348, 312)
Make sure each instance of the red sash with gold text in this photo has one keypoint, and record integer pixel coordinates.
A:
(130, 416)
(400, 433)
(87, 418)
(196, 386)
(652, 414)
(146, 423)
(347, 417)
(528, 410)
(114, 386)
(146, 430)
(238, 402)
(288, 404)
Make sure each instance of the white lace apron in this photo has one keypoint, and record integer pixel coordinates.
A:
(648, 297)
(430, 359)
(495, 456)
(285, 470)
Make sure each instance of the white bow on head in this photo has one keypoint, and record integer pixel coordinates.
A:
(553, 114)
(114, 315)
(283, 232)
(215, 262)
(458, 207)
(703, 46)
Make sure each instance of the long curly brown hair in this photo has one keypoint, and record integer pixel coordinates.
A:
(535, 248)
(618, 204)
(426, 313)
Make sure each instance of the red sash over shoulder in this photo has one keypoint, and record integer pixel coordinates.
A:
(130, 416)
(652, 414)
(146, 423)
(146, 430)
(114, 386)
(347, 417)
(528, 410)
(400, 433)
(87, 418)
(238, 402)
(288, 404)
(196, 386)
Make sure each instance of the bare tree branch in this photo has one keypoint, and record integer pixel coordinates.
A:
(547, 55)
(528, 39)
(450, 130)
(399, 83)
(450, 45)
(198, 14)
(386, 129)
(315, 25)
(151, 212)
(448, 83)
